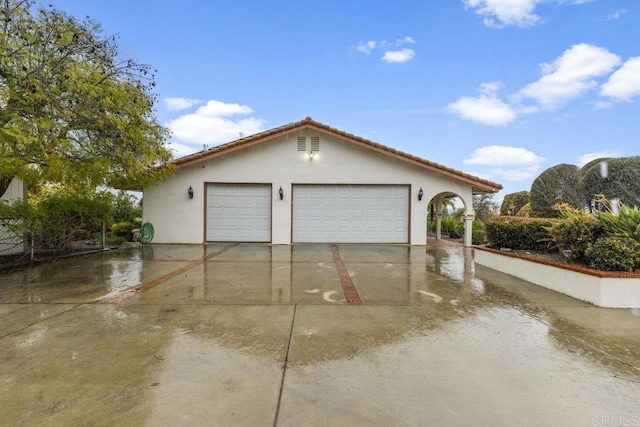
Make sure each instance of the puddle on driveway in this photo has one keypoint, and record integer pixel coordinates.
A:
(437, 340)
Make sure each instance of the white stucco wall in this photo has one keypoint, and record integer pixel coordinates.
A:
(178, 219)
(612, 292)
(11, 244)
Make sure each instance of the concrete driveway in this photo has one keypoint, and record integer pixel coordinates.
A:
(251, 334)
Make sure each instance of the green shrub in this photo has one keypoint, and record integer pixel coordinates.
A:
(625, 224)
(525, 210)
(519, 232)
(121, 228)
(479, 236)
(448, 225)
(512, 203)
(576, 233)
(622, 180)
(614, 254)
(558, 184)
(114, 240)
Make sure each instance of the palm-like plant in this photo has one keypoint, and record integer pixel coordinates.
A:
(625, 223)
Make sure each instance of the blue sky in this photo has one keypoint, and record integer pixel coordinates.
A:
(502, 89)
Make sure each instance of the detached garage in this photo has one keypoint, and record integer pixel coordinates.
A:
(301, 183)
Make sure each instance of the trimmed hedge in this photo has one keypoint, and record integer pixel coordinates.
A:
(621, 182)
(576, 234)
(520, 232)
(558, 184)
(513, 202)
(614, 254)
(525, 210)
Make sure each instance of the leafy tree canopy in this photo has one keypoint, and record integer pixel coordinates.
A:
(484, 206)
(72, 111)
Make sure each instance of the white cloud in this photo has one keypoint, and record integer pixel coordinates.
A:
(570, 75)
(176, 104)
(406, 40)
(509, 163)
(487, 110)
(500, 155)
(221, 109)
(617, 14)
(624, 84)
(586, 158)
(500, 13)
(181, 150)
(212, 124)
(518, 13)
(398, 56)
(490, 88)
(515, 174)
(392, 51)
(366, 47)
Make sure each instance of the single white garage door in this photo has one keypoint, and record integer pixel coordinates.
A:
(238, 213)
(351, 213)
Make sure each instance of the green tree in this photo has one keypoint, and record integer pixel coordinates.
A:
(71, 110)
(484, 206)
(126, 208)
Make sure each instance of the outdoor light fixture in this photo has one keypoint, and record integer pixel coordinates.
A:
(190, 192)
(420, 194)
(311, 154)
(281, 193)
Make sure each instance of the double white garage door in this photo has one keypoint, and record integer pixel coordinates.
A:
(320, 213)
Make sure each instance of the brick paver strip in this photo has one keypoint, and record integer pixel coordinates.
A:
(350, 292)
(160, 280)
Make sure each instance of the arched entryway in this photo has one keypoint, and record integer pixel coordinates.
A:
(449, 205)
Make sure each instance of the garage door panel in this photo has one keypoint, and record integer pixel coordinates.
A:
(239, 212)
(351, 213)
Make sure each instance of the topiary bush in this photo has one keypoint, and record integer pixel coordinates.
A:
(558, 184)
(525, 210)
(513, 203)
(519, 232)
(612, 253)
(621, 181)
(576, 234)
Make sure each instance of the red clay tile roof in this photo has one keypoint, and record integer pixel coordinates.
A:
(479, 185)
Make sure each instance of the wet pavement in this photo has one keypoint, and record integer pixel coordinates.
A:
(251, 334)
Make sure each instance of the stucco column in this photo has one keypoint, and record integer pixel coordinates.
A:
(468, 227)
(438, 225)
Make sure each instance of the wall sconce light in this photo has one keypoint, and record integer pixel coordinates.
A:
(281, 193)
(311, 155)
(190, 192)
(420, 194)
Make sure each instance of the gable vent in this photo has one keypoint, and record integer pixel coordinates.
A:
(315, 143)
(302, 143)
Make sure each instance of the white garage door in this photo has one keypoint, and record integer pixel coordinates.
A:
(238, 213)
(351, 213)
